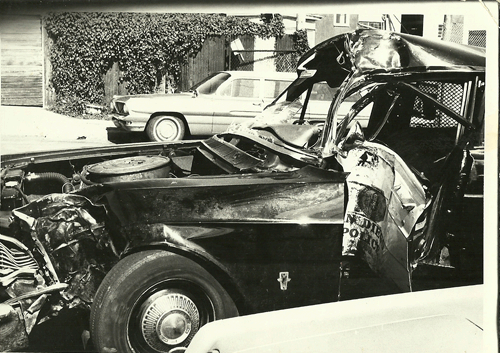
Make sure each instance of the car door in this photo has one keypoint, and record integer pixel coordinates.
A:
(271, 88)
(236, 101)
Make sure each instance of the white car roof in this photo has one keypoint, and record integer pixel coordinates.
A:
(263, 74)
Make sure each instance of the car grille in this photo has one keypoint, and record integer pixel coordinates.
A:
(13, 259)
(119, 107)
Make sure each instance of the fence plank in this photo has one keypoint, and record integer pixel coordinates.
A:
(29, 82)
(27, 41)
(26, 101)
(112, 85)
(210, 59)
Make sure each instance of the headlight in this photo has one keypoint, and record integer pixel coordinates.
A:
(119, 107)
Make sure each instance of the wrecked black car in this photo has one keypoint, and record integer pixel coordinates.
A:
(157, 239)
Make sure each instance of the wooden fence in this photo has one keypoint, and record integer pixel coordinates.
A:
(211, 58)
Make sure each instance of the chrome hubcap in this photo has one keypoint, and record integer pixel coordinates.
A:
(167, 129)
(168, 319)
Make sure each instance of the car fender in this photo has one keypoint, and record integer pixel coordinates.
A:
(175, 239)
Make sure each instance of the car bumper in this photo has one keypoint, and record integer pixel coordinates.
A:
(127, 124)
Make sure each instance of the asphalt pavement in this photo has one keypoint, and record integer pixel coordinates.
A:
(29, 129)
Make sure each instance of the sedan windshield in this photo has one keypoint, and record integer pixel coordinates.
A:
(210, 84)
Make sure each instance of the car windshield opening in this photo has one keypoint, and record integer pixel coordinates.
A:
(210, 84)
(295, 105)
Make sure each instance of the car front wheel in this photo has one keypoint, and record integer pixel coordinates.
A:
(154, 301)
(165, 128)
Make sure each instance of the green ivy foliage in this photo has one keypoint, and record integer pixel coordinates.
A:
(146, 47)
(300, 43)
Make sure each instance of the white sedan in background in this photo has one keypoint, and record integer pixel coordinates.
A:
(209, 107)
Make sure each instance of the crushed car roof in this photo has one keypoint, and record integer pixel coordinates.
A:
(366, 51)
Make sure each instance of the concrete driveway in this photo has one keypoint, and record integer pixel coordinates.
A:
(26, 129)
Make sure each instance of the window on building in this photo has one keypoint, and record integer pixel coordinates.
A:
(341, 20)
(477, 38)
(441, 31)
(371, 24)
(412, 24)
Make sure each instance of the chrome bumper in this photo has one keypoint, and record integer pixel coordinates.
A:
(127, 125)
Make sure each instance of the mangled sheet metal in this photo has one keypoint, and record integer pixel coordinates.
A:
(364, 51)
(384, 203)
(69, 232)
(379, 50)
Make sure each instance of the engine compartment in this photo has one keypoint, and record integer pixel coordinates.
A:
(23, 181)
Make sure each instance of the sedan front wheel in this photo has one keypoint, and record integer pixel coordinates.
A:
(154, 301)
(165, 128)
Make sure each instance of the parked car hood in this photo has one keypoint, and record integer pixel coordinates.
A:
(156, 96)
(446, 319)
